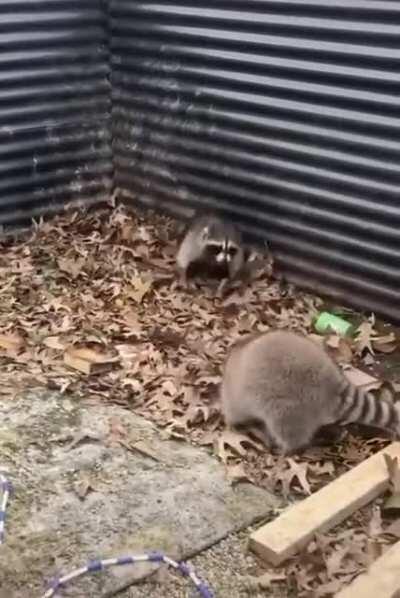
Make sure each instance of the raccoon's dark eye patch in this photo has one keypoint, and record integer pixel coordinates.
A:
(214, 250)
(232, 250)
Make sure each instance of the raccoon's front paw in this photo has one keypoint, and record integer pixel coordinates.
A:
(222, 288)
(183, 280)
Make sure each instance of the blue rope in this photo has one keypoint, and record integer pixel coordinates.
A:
(99, 565)
(152, 557)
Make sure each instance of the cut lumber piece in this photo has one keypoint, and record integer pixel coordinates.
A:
(293, 529)
(87, 360)
(382, 580)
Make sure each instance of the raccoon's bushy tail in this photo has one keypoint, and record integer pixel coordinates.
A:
(360, 406)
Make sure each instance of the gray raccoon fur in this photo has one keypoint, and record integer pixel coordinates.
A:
(285, 388)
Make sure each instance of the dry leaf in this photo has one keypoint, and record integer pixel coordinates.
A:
(73, 267)
(193, 414)
(262, 582)
(385, 344)
(368, 359)
(321, 469)
(364, 335)
(242, 297)
(133, 383)
(92, 355)
(235, 441)
(138, 289)
(299, 471)
(128, 353)
(236, 473)
(53, 342)
(361, 379)
(11, 342)
(169, 388)
(132, 321)
(339, 348)
(296, 472)
(334, 561)
(367, 339)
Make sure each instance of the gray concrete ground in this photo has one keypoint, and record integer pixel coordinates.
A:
(79, 494)
(227, 567)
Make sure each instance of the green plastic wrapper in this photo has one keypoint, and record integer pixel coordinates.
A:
(327, 322)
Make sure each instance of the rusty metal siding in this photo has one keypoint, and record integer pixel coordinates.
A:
(54, 106)
(283, 113)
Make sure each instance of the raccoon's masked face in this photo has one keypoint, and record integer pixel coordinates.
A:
(222, 252)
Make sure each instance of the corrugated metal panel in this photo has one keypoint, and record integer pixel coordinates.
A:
(54, 106)
(285, 113)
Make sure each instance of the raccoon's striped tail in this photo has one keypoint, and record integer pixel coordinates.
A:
(360, 406)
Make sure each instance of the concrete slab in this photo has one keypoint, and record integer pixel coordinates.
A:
(167, 496)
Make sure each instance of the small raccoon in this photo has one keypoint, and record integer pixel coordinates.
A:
(285, 389)
(211, 247)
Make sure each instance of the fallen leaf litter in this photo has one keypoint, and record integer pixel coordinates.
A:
(90, 306)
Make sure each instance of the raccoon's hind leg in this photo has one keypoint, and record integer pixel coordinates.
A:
(299, 440)
(293, 436)
(183, 277)
(330, 434)
(259, 430)
(222, 288)
(236, 265)
(255, 427)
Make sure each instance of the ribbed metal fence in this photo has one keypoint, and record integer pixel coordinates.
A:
(54, 106)
(284, 113)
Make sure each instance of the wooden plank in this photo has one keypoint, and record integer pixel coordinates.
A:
(382, 580)
(292, 530)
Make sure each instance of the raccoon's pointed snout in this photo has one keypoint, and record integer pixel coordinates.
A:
(221, 257)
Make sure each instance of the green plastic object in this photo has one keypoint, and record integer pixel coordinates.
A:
(327, 322)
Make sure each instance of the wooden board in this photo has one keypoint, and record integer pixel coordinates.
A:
(282, 538)
(382, 580)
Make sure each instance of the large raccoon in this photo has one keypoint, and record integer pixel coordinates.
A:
(285, 389)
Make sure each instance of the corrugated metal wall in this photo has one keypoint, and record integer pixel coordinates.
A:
(54, 106)
(285, 113)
